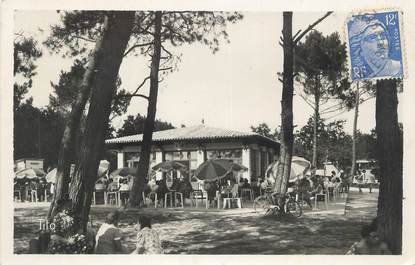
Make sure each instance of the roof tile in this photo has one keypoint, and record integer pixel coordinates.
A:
(197, 132)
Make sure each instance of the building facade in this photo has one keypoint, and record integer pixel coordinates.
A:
(193, 145)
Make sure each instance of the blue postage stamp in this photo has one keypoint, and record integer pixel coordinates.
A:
(375, 45)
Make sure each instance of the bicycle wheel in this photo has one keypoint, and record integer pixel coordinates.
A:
(293, 208)
(261, 205)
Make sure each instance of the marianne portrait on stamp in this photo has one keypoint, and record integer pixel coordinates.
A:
(370, 48)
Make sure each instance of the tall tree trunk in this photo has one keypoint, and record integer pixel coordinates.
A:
(389, 152)
(143, 165)
(71, 132)
(284, 165)
(356, 115)
(315, 124)
(117, 30)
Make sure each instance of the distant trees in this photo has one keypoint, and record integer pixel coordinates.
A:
(135, 125)
(25, 53)
(37, 133)
(264, 130)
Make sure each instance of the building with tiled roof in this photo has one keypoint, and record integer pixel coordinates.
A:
(195, 144)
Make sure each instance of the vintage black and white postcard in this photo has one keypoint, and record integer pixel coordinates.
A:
(198, 132)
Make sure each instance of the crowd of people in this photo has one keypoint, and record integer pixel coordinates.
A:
(28, 189)
(364, 178)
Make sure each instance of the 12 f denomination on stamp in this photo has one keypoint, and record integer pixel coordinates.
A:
(375, 45)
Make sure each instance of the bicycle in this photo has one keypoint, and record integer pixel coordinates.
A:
(268, 204)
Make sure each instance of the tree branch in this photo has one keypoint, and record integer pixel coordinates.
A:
(310, 27)
(296, 34)
(169, 53)
(136, 46)
(139, 95)
(83, 38)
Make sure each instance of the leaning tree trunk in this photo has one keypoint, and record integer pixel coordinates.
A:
(389, 152)
(117, 30)
(315, 125)
(356, 115)
(72, 127)
(284, 165)
(143, 165)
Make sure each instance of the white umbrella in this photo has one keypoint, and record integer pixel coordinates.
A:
(299, 166)
(51, 176)
(29, 173)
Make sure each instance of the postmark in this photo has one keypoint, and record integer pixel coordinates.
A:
(375, 45)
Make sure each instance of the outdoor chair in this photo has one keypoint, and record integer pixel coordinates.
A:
(247, 191)
(19, 195)
(32, 194)
(94, 196)
(148, 198)
(217, 199)
(176, 196)
(195, 196)
(325, 197)
(235, 198)
(111, 197)
(336, 193)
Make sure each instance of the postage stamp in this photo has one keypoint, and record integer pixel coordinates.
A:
(375, 45)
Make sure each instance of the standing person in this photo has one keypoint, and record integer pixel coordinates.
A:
(304, 189)
(370, 181)
(148, 241)
(361, 179)
(41, 190)
(108, 238)
(162, 189)
(210, 189)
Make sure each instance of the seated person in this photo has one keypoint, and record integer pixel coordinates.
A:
(317, 189)
(153, 185)
(162, 189)
(112, 186)
(246, 185)
(124, 192)
(234, 190)
(108, 238)
(241, 182)
(185, 187)
(370, 244)
(263, 185)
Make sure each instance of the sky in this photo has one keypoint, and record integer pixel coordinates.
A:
(234, 88)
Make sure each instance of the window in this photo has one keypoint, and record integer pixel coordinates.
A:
(233, 154)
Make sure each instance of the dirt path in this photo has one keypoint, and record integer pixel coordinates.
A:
(232, 231)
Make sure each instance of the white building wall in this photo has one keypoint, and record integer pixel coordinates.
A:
(246, 158)
(120, 159)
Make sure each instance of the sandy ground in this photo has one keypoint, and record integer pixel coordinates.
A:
(234, 231)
